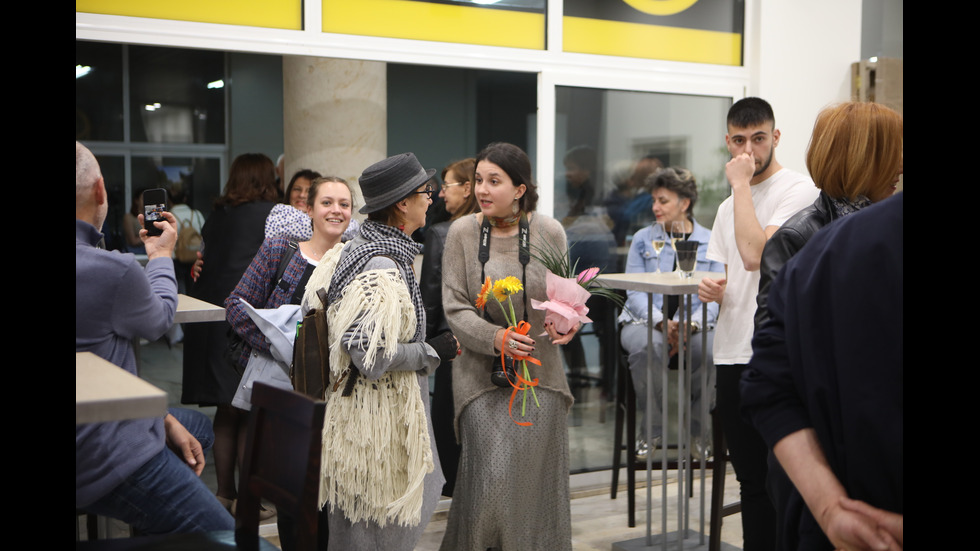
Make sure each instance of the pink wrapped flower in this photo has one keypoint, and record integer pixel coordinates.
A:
(586, 276)
(565, 306)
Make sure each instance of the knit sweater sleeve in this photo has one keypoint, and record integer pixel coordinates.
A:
(460, 285)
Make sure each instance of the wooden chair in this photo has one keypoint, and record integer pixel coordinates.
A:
(281, 464)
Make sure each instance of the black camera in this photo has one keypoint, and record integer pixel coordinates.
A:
(504, 377)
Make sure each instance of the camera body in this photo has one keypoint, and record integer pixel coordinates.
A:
(505, 377)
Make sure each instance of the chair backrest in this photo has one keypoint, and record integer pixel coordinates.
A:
(281, 464)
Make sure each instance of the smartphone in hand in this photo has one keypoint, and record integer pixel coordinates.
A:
(154, 203)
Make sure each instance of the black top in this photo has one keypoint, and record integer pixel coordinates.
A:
(830, 358)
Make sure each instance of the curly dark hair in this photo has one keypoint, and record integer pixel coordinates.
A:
(680, 181)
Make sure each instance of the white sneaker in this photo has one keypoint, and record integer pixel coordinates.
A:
(642, 449)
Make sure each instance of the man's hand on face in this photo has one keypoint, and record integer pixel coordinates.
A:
(740, 170)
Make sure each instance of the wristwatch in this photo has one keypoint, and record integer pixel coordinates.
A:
(695, 327)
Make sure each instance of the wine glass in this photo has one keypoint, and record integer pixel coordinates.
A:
(658, 239)
(676, 234)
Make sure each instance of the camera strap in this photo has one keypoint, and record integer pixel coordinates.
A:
(524, 253)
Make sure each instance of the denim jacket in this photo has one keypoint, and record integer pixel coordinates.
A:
(642, 258)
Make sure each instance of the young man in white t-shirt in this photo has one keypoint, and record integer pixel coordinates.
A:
(764, 195)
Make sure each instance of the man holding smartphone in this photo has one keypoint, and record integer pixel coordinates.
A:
(124, 469)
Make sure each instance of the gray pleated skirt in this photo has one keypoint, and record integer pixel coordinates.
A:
(512, 485)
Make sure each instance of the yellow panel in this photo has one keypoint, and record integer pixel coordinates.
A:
(594, 36)
(276, 14)
(435, 22)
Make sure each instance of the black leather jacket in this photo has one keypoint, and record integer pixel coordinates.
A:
(430, 282)
(786, 242)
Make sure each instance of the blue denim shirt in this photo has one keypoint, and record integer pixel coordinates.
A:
(642, 258)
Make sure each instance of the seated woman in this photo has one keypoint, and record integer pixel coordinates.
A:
(380, 476)
(674, 192)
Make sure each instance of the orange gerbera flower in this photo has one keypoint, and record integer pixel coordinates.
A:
(481, 299)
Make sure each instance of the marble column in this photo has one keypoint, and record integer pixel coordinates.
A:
(335, 116)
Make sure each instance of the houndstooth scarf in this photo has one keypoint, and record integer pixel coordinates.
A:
(382, 240)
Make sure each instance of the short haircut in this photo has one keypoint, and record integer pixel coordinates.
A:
(680, 181)
(515, 162)
(856, 149)
(464, 169)
(750, 111)
(304, 173)
(252, 178)
(86, 169)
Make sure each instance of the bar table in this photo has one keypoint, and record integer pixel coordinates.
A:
(670, 283)
(106, 392)
(193, 310)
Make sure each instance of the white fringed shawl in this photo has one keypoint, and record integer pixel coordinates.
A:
(376, 449)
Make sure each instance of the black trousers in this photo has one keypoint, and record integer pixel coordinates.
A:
(749, 455)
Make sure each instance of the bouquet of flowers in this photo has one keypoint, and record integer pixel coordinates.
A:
(500, 291)
(568, 292)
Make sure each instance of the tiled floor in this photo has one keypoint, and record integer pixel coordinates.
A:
(597, 520)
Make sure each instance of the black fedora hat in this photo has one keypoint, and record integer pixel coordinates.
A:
(386, 182)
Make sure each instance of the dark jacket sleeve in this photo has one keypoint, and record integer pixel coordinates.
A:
(786, 242)
(430, 282)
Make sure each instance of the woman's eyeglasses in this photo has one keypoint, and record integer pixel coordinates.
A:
(427, 191)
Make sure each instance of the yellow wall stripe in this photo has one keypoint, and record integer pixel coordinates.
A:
(594, 36)
(276, 14)
(435, 22)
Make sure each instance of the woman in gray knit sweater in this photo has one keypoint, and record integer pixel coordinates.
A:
(512, 485)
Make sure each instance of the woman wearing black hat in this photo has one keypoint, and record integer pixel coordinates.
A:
(381, 477)
(512, 485)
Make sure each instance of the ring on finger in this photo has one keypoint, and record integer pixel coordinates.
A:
(512, 344)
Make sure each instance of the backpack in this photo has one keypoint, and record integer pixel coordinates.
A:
(188, 242)
(310, 372)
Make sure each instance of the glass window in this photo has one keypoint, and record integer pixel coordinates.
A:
(606, 144)
(176, 96)
(195, 179)
(172, 102)
(98, 91)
